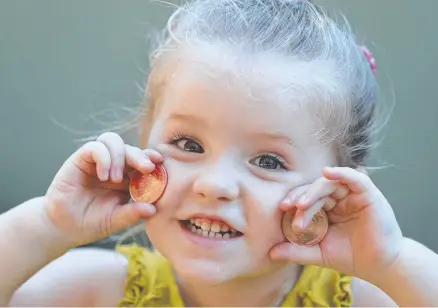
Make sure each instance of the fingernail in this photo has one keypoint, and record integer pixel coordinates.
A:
(105, 175)
(282, 251)
(114, 176)
(303, 223)
(306, 222)
(149, 207)
(149, 164)
(303, 199)
(152, 208)
(297, 224)
(287, 201)
(329, 169)
(278, 253)
(119, 174)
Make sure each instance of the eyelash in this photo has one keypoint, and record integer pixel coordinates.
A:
(176, 137)
(280, 161)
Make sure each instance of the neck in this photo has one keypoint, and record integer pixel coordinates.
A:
(268, 289)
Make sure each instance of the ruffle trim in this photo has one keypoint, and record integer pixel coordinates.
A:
(143, 286)
(136, 282)
(342, 296)
(321, 287)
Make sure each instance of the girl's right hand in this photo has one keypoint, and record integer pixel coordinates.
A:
(88, 198)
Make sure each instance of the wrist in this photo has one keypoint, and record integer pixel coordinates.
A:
(412, 278)
(385, 276)
(32, 227)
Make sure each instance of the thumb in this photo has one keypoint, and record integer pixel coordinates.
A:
(297, 254)
(129, 214)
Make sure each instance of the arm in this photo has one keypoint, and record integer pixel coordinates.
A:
(412, 279)
(83, 277)
(36, 268)
(368, 295)
(27, 245)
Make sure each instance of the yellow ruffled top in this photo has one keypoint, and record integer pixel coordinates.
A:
(151, 283)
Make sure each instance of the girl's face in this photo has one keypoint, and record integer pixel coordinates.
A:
(231, 158)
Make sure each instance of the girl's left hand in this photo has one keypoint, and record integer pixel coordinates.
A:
(363, 238)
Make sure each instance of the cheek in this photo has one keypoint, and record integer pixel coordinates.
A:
(178, 185)
(264, 216)
(160, 225)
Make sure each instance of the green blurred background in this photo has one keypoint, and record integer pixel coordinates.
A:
(63, 61)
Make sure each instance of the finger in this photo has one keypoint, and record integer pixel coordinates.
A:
(292, 197)
(303, 218)
(96, 153)
(136, 159)
(320, 189)
(122, 186)
(341, 191)
(356, 181)
(128, 215)
(329, 204)
(116, 147)
(154, 156)
(297, 254)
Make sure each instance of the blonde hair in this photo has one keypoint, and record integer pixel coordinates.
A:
(298, 31)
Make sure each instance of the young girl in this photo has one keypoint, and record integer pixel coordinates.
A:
(255, 108)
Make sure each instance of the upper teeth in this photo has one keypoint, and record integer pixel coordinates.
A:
(208, 225)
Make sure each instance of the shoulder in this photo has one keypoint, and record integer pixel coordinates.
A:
(366, 294)
(81, 277)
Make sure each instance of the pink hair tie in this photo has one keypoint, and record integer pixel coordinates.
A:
(368, 55)
(371, 60)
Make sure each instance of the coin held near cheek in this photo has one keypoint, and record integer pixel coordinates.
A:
(311, 236)
(148, 187)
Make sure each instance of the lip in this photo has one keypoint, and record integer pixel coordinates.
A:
(205, 241)
(212, 217)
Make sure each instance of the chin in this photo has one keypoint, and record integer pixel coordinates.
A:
(207, 271)
(208, 260)
(209, 268)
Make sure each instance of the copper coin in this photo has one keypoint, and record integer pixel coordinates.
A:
(311, 236)
(148, 187)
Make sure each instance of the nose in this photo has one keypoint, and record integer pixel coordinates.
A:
(218, 182)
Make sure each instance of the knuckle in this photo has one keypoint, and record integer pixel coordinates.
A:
(298, 190)
(362, 177)
(323, 182)
(135, 151)
(346, 170)
(109, 137)
(119, 157)
(92, 146)
(149, 152)
(135, 156)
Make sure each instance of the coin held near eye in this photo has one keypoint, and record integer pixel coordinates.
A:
(148, 187)
(311, 236)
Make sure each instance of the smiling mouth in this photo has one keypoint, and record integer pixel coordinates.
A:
(210, 229)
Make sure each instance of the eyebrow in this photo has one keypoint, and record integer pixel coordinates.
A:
(259, 135)
(186, 118)
(274, 136)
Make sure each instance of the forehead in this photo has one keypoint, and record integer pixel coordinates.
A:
(238, 93)
(237, 106)
(223, 100)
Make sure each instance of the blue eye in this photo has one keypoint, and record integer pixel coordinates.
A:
(186, 144)
(269, 162)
